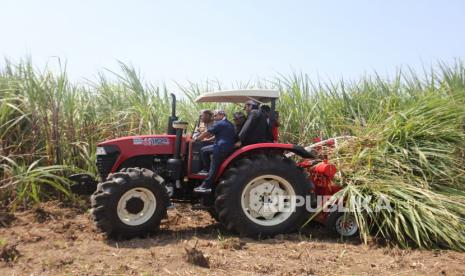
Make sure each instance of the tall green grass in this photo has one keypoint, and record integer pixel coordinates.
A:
(410, 129)
(409, 151)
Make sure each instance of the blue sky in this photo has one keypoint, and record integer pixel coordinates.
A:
(233, 40)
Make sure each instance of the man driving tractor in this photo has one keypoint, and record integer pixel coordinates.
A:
(223, 130)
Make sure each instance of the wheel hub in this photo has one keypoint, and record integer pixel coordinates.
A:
(346, 225)
(266, 200)
(136, 206)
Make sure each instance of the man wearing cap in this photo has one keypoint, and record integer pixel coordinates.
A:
(223, 146)
(255, 129)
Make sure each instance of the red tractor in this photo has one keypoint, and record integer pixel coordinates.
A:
(255, 191)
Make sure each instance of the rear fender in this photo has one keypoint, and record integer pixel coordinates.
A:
(250, 149)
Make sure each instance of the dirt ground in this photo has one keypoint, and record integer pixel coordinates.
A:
(53, 240)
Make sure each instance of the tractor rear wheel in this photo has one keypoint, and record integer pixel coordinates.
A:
(257, 196)
(130, 203)
(213, 213)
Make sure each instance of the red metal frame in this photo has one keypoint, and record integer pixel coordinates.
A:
(129, 148)
(235, 154)
(321, 174)
(249, 148)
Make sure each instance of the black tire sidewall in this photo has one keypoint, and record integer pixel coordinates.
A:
(274, 166)
(118, 187)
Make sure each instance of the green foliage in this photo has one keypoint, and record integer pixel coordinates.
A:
(410, 147)
(32, 182)
(409, 152)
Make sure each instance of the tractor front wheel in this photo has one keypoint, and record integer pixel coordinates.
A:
(130, 203)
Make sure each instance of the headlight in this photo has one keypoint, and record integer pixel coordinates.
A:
(101, 151)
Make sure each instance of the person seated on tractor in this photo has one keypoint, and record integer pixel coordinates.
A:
(266, 110)
(213, 155)
(206, 121)
(239, 120)
(255, 129)
(274, 127)
(273, 123)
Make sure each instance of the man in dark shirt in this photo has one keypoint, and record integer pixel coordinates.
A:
(239, 120)
(267, 110)
(256, 128)
(272, 122)
(223, 146)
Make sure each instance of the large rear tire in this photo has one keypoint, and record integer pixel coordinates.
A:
(130, 203)
(249, 196)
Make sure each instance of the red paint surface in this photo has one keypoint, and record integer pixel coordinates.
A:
(128, 149)
(321, 175)
(249, 148)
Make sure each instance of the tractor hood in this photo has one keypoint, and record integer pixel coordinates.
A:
(130, 146)
(112, 154)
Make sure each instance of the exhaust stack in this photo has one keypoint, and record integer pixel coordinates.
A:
(174, 165)
(173, 117)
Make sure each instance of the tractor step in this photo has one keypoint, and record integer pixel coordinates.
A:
(199, 175)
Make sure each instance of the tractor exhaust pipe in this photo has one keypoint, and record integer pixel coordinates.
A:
(173, 117)
(177, 148)
(179, 128)
(174, 165)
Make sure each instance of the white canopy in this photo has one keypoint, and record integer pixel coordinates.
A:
(238, 96)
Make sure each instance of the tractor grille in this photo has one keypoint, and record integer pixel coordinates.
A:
(104, 164)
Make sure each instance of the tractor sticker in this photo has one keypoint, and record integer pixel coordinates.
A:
(151, 141)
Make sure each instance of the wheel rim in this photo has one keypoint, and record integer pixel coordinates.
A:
(136, 206)
(346, 225)
(268, 200)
